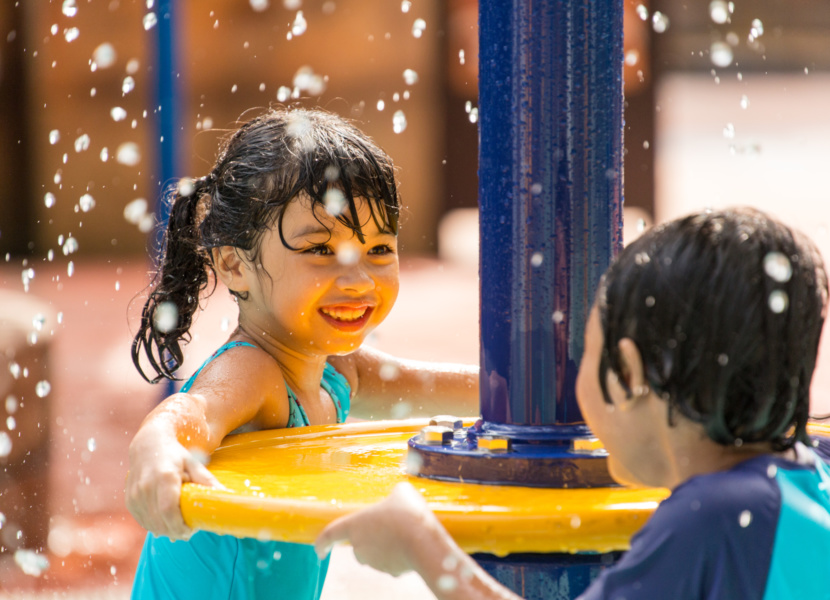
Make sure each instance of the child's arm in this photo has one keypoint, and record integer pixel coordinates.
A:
(381, 381)
(179, 434)
(401, 534)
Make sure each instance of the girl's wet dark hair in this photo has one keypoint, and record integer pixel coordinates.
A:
(726, 309)
(264, 165)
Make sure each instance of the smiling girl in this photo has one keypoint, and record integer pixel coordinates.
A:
(299, 219)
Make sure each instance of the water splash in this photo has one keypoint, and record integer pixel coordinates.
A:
(149, 21)
(42, 388)
(410, 77)
(185, 187)
(300, 25)
(70, 269)
(135, 211)
(778, 267)
(642, 12)
(91, 444)
(418, 28)
(292, 4)
(82, 143)
(778, 301)
(305, 79)
(86, 202)
(744, 102)
(720, 53)
(71, 34)
(348, 253)
(38, 321)
(389, 371)
(745, 518)
(104, 55)
(118, 114)
(334, 202)
(69, 8)
(128, 85)
(398, 121)
(166, 317)
(54, 136)
(719, 11)
(11, 404)
(537, 259)
(284, 93)
(128, 154)
(11, 423)
(14, 369)
(659, 22)
(729, 131)
(49, 199)
(381, 105)
(69, 246)
(31, 563)
(259, 5)
(756, 30)
(5, 444)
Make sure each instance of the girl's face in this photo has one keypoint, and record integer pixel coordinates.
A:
(327, 295)
(630, 426)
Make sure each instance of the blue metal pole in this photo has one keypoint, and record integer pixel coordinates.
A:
(166, 106)
(550, 183)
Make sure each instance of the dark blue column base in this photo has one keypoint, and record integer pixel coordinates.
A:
(550, 456)
(546, 576)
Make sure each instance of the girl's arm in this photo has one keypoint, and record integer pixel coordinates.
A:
(401, 534)
(381, 381)
(175, 439)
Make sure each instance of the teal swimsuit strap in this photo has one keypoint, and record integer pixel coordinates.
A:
(222, 349)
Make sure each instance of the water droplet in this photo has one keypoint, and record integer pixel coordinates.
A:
(305, 79)
(147, 223)
(757, 29)
(87, 202)
(576, 522)
(642, 12)
(14, 369)
(149, 21)
(558, 316)
(42, 388)
(405, 6)
(105, 154)
(128, 154)
(5, 444)
(118, 114)
(723, 360)
(225, 324)
(91, 445)
(185, 187)
(389, 371)
(400, 410)
(334, 202)
(398, 121)
(300, 25)
(2, 520)
(410, 77)
(474, 114)
(49, 199)
(778, 301)
(729, 131)
(447, 582)
(82, 143)
(259, 5)
(461, 58)
(11, 424)
(284, 93)
(719, 11)
(69, 8)
(418, 27)
(772, 470)
(70, 269)
(650, 301)
(165, 317)
(71, 34)
(26, 276)
(659, 22)
(11, 404)
(744, 102)
(30, 562)
(720, 53)
(104, 55)
(60, 317)
(778, 266)
(642, 258)
(537, 259)
(69, 246)
(348, 253)
(135, 210)
(381, 105)
(38, 321)
(128, 85)
(745, 518)
(54, 136)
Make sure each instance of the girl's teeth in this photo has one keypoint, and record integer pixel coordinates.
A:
(345, 314)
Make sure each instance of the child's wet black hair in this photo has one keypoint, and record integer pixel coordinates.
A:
(726, 309)
(264, 165)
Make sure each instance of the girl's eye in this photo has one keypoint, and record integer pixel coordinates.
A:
(382, 249)
(319, 250)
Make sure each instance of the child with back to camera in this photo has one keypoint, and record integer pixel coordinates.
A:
(696, 373)
(298, 218)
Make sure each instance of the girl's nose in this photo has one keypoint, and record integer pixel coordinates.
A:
(355, 279)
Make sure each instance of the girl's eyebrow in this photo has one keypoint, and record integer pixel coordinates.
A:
(311, 230)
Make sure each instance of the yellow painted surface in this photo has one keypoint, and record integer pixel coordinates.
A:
(288, 484)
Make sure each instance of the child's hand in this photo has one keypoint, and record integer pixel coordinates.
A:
(384, 536)
(158, 466)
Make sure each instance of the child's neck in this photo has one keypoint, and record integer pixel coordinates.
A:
(302, 372)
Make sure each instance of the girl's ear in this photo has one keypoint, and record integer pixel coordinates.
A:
(633, 372)
(231, 268)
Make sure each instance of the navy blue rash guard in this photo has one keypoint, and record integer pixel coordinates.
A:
(759, 531)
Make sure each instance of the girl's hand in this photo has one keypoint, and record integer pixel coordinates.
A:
(385, 534)
(159, 465)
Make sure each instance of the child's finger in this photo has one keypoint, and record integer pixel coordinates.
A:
(198, 473)
(336, 531)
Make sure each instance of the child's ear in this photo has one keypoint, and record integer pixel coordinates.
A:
(633, 372)
(231, 268)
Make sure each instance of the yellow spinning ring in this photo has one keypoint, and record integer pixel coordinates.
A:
(287, 484)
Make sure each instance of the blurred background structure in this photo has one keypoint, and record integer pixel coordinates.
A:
(725, 104)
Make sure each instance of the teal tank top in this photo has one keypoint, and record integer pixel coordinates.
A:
(222, 567)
